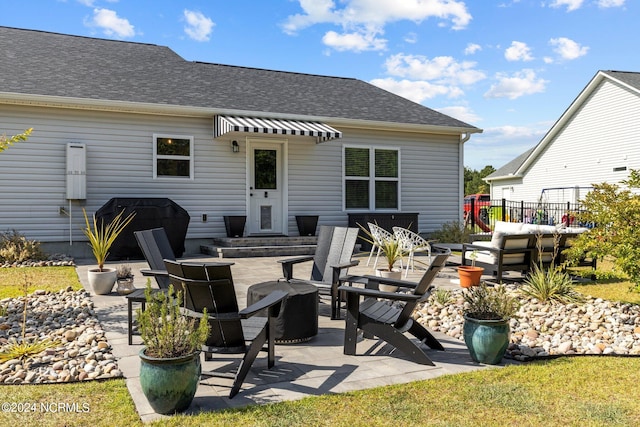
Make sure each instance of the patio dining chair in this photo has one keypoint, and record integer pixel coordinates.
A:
(411, 243)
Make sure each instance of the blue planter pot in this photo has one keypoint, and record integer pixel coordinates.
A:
(487, 340)
(169, 384)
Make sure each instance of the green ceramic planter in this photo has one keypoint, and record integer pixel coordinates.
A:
(169, 384)
(487, 340)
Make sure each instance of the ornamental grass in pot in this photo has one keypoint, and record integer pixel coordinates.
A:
(101, 237)
(170, 360)
(393, 251)
(487, 313)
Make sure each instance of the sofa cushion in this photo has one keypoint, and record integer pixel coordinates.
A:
(539, 229)
(490, 258)
(502, 228)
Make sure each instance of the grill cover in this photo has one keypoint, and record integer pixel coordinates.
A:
(150, 213)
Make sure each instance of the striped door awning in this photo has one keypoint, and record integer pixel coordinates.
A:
(321, 131)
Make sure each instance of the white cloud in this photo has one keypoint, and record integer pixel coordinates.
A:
(411, 38)
(518, 51)
(444, 69)
(88, 3)
(472, 48)
(571, 4)
(366, 17)
(112, 24)
(416, 91)
(356, 42)
(610, 3)
(518, 84)
(460, 112)
(567, 48)
(198, 26)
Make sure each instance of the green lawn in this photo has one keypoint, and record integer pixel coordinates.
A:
(561, 392)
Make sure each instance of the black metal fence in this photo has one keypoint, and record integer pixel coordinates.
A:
(481, 216)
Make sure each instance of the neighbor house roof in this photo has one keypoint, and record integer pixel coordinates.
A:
(55, 68)
(518, 166)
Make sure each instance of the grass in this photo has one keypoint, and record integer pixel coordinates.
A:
(561, 392)
(47, 278)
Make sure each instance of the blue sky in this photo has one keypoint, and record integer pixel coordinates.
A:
(510, 67)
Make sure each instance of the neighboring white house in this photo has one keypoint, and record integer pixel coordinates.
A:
(121, 119)
(597, 139)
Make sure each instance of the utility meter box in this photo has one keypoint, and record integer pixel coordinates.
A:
(76, 171)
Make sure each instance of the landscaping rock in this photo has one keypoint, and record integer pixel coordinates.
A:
(66, 318)
(541, 329)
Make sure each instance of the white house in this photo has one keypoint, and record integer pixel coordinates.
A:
(121, 119)
(597, 139)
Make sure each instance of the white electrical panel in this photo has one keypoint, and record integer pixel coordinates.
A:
(76, 171)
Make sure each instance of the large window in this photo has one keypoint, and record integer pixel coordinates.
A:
(371, 178)
(172, 156)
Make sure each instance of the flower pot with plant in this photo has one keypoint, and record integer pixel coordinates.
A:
(393, 251)
(101, 236)
(486, 330)
(170, 360)
(470, 275)
(124, 277)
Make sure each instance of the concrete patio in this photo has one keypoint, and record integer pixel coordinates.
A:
(308, 369)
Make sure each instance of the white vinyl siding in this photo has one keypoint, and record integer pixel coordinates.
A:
(429, 176)
(120, 164)
(602, 136)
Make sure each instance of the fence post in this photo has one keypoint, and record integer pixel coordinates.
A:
(504, 209)
(472, 212)
(522, 211)
(568, 214)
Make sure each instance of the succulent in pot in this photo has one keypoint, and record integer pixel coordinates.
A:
(101, 236)
(124, 278)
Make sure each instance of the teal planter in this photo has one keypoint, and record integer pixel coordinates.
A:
(169, 384)
(487, 340)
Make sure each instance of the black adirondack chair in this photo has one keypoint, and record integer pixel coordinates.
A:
(375, 315)
(233, 331)
(331, 261)
(155, 247)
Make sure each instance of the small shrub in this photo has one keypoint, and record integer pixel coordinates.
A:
(14, 247)
(166, 332)
(123, 271)
(442, 296)
(490, 303)
(553, 284)
(452, 232)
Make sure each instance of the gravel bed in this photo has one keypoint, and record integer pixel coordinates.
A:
(541, 330)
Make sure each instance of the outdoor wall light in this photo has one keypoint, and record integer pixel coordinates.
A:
(235, 147)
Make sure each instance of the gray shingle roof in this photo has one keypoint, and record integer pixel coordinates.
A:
(43, 63)
(630, 78)
(512, 166)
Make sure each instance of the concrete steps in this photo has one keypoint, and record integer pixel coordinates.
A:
(244, 247)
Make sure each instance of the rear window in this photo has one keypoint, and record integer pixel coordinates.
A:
(485, 198)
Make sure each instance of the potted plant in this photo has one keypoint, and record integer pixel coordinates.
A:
(470, 275)
(170, 359)
(486, 322)
(393, 251)
(124, 278)
(101, 237)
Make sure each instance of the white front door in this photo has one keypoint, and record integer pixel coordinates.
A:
(265, 189)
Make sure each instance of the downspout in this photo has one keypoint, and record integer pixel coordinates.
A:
(464, 137)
